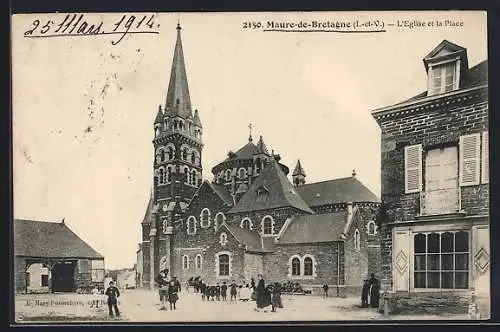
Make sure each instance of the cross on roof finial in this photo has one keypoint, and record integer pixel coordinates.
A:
(178, 22)
(250, 134)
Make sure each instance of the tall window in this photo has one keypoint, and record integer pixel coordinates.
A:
(198, 261)
(169, 174)
(242, 174)
(193, 177)
(308, 266)
(228, 175)
(267, 226)
(295, 267)
(162, 155)
(205, 217)
(223, 265)
(185, 262)
(357, 240)
(441, 260)
(161, 176)
(443, 78)
(170, 153)
(219, 219)
(184, 153)
(191, 225)
(193, 157)
(186, 175)
(441, 181)
(371, 228)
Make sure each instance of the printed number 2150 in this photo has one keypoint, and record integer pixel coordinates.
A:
(252, 25)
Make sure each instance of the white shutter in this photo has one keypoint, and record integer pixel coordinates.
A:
(413, 168)
(469, 159)
(485, 159)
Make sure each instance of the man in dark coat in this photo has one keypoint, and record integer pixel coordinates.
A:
(217, 292)
(113, 294)
(233, 290)
(173, 289)
(365, 292)
(223, 291)
(374, 291)
(203, 290)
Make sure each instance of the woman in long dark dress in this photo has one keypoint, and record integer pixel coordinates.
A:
(263, 294)
(374, 291)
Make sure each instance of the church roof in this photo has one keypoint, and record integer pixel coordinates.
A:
(49, 240)
(222, 192)
(298, 169)
(336, 191)
(178, 101)
(252, 240)
(245, 152)
(314, 228)
(148, 214)
(261, 147)
(280, 192)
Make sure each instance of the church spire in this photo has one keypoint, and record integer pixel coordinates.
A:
(178, 100)
(298, 175)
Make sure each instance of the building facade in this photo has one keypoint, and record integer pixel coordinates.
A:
(250, 218)
(49, 257)
(435, 189)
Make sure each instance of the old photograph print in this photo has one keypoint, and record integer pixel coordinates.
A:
(250, 167)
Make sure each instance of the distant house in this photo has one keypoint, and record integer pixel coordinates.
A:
(50, 257)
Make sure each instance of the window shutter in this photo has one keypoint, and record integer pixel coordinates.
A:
(469, 159)
(485, 159)
(413, 168)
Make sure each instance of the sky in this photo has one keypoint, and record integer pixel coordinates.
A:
(83, 108)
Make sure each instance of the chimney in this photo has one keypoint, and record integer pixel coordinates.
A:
(62, 221)
(354, 173)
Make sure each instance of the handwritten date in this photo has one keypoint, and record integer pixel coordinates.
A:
(78, 25)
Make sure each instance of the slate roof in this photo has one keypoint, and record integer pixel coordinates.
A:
(281, 192)
(148, 214)
(220, 190)
(334, 191)
(314, 228)
(196, 118)
(49, 240)
(159, 116)
(251, 239)
(475, 76)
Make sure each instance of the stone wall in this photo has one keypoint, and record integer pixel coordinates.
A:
(432, 303)
(253, 266)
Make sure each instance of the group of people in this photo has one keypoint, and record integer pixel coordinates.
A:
(169, 289)
(264, 296)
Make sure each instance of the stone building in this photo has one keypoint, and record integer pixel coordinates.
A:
(435, 189)
(249, 218)
(49, 257)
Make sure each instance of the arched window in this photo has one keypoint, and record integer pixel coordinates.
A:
(242, 174)
(194, 180)
(205, 217)
(267, 225)
(257, 166)
(181, 125)
(228, 175)
(162, 155)
(170, 153)
(295, 266)
(191, 225)
(223, 264)
(161, 176)
(371, 228)
(219, 219)
(308, 266)
(186, 175)
(357, 240)
(169, 174)
(185, 262)
(198, 261)
(184, 154)
(246, 223)
(193, 157)
(223, 239)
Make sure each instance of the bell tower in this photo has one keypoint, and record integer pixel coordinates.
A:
(178, 151)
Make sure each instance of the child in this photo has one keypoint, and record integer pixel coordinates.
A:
(173, 288)
(233, 290)
(95, 302)
(203, 289)
(113, 293)
(245, 293)
(276, 299)
(223, 291)
(325, 290)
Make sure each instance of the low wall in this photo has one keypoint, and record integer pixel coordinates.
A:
(402, 303)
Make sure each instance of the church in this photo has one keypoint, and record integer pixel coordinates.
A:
(252, 217)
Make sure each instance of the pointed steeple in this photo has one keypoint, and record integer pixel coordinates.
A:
(178, 99)
(298, 169)
(261, 147)
(159, 116)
